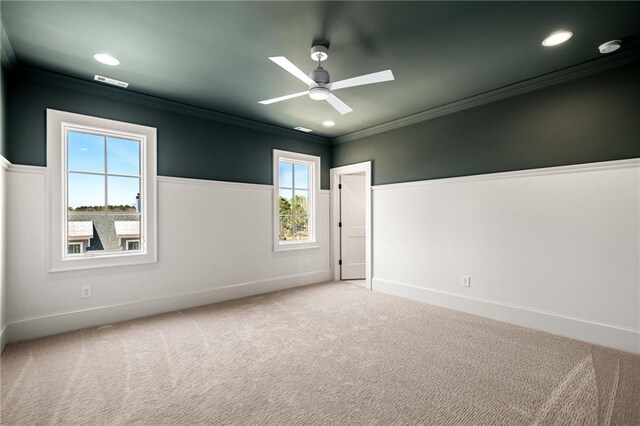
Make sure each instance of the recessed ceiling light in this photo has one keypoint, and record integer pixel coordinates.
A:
(106, 59)
(303, 129)
(328, 123)
(557, 38)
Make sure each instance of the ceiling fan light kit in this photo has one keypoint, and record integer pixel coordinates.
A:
(319, 93)
(319, 80)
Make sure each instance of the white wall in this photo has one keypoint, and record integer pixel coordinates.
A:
(4, 164)
(553, 249)
(214, 242)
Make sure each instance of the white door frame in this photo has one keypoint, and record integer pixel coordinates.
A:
(335, 174)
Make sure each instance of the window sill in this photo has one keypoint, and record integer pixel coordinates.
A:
(295, 246)
(102, 261)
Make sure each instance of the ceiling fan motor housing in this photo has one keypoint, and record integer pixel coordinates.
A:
(320, 76)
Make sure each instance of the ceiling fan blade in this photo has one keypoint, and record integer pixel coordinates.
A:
(376, 77)
(340, 106)
(295, 71)
(283, 98)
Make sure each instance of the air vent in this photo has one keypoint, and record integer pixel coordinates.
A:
(303, 129)
(111, 81)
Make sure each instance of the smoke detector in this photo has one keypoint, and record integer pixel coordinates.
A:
(610, 46)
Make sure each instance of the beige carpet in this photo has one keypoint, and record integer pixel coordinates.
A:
(324, 354)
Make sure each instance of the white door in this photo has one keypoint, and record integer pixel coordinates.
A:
(352, 230)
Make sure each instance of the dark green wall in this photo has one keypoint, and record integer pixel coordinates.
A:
(188, 146)
(592, 119)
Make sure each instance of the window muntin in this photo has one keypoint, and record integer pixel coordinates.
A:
(103, 185)
(133, 245)
(296, 183)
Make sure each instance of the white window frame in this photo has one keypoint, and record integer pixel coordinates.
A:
(58, 122)
(74, 243)
(132, 241)
(314, 189)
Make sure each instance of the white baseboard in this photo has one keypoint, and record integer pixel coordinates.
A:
(598, 333)
(60, 322)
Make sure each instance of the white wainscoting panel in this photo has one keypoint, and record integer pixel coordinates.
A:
(554, 249)
(4, 167)
(214, 244)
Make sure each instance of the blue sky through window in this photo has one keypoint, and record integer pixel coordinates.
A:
(123, 156)
(85, 190)
(288, 170)
(123, 190)
(86, 153)
(301, 175)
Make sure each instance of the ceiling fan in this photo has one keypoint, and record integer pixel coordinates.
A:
(319, 82)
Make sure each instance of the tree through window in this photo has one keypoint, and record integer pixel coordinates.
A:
(294, 201)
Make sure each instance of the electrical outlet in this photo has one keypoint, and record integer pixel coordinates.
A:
(85, 291)
(466, 281)
(306, 262)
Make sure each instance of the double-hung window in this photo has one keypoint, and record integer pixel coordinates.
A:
(296, 180)
(102, 184)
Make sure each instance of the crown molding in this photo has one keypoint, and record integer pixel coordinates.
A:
(7, 55)
(546, 80)
(126, 95)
